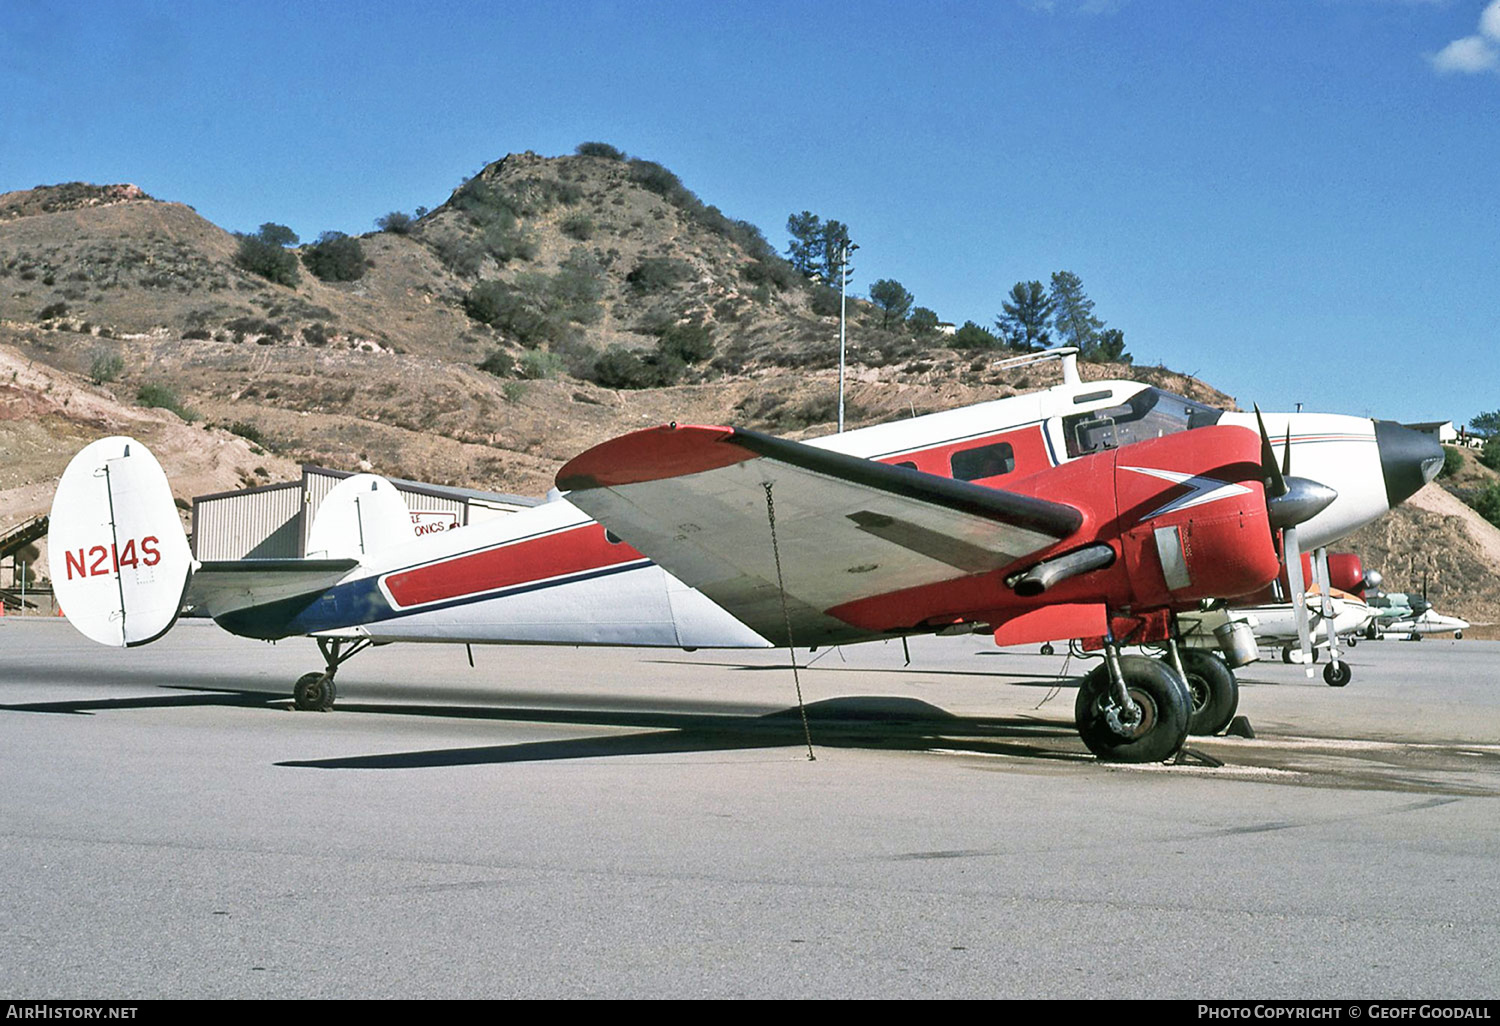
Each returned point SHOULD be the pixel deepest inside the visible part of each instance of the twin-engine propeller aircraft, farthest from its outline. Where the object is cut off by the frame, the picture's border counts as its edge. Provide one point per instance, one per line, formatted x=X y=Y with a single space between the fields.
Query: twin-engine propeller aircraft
x=1100 y=507
x=947 y=523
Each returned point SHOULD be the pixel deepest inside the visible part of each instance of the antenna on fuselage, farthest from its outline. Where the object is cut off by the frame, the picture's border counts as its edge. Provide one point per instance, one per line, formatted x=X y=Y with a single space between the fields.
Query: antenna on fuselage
x=1067 y=354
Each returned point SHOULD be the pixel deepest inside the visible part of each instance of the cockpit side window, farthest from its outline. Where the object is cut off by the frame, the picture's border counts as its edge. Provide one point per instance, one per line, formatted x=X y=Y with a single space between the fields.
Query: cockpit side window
x=1150 y=413
x=983 y=461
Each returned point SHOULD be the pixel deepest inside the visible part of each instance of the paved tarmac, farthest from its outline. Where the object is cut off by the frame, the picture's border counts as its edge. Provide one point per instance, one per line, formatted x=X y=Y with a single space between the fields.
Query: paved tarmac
x=615 y=823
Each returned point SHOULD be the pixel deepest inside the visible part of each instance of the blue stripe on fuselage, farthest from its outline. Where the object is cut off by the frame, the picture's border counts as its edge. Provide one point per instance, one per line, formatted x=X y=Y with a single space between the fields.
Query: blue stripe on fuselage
x=362 y=602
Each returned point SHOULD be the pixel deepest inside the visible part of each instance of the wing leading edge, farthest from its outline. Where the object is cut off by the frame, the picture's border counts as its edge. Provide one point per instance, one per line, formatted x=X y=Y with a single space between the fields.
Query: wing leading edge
x=698 y=500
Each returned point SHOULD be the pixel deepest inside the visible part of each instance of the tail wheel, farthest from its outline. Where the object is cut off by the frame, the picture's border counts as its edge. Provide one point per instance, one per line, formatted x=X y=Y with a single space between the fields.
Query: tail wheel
x=1165 y=708
x=1213 y=689
x=314 y=692
x=1336 y=675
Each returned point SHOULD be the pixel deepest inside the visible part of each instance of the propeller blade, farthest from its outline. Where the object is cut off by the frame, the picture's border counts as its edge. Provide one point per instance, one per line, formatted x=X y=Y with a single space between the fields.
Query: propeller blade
x=1269 y=469
x=1298 y=587
x=1286 y=453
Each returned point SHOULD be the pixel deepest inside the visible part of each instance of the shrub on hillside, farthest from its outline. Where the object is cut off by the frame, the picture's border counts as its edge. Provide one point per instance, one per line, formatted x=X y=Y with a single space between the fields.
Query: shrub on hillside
x=599 y=149
x=1453 y=462
x=540 y=365
x=973 y=336
x=771 y=271
x=1487 y=504
x=498 y=363
x=461 y=255
x=247 y=431
x=619 y=367
x=825 y=301
x=260 y=254
x=507 y=242
x=335 y=257
x=105 y=366
x=1489 y=456
x=396 y=222
x=575 y=290
x=161 y=397
x=653 y=274
x=578 y=226
x=519 y=312
x=52 y=311
x=688 y=343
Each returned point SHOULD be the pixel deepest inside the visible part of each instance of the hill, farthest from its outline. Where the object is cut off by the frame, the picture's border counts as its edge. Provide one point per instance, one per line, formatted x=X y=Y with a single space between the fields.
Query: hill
x=482 y=343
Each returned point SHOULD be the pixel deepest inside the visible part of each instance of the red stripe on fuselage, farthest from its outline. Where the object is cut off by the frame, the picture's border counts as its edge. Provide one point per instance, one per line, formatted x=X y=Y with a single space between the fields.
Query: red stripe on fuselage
x=566 y=552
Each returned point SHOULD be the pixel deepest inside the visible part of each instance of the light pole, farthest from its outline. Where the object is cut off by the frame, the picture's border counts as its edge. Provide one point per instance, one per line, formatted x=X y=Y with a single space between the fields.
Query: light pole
x=843 y=292
x=845 y=248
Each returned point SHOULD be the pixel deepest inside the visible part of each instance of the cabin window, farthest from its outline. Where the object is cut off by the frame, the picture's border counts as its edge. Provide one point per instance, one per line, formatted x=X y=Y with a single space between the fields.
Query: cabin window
x=983 y=461
x=1150 y=413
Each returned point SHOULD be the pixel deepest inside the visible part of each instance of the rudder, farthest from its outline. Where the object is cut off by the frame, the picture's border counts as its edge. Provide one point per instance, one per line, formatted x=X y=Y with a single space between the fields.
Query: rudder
x=118 y=556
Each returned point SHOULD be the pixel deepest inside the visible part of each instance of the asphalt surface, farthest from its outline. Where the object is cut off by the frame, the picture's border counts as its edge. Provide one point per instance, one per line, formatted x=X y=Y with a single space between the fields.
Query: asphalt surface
x=614 y=823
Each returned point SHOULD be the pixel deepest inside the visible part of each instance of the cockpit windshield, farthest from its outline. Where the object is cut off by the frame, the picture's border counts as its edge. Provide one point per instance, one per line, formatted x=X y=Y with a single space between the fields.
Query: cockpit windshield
x=1150 y=413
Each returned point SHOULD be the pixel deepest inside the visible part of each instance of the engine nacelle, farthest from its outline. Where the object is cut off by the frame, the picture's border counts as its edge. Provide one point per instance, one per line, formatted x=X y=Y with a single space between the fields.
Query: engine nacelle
x=1192 y=517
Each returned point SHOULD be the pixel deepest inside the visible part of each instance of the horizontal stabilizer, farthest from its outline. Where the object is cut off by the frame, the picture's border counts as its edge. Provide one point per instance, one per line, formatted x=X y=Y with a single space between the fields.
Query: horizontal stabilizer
x=118 y=556
x=231 y=585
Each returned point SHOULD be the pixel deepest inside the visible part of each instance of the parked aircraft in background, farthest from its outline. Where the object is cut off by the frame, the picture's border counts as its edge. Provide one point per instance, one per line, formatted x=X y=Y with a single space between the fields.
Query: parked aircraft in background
x=1430 y=621
x=1273 y=618
x=1015 y=498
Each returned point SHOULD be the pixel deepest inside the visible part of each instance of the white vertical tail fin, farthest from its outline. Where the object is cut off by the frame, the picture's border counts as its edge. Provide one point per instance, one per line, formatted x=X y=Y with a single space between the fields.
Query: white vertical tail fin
x=118 y=556
x=363 y=514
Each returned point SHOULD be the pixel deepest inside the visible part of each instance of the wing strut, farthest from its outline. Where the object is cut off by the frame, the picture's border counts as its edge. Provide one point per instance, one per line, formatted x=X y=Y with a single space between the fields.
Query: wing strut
x=787 y=617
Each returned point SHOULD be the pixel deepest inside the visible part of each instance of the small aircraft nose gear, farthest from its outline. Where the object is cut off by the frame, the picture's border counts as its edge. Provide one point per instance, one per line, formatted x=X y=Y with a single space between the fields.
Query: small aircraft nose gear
x=1133 y=709
x=1336 y=675
x=315 y=692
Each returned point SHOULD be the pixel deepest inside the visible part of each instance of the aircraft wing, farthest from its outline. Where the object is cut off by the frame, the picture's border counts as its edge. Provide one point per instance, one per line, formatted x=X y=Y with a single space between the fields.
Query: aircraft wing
x=694 y=499
x=223 y=586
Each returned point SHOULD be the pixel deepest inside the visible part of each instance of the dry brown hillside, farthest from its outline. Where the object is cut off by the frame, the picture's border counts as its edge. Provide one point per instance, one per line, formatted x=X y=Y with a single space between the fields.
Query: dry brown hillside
x=538 y=269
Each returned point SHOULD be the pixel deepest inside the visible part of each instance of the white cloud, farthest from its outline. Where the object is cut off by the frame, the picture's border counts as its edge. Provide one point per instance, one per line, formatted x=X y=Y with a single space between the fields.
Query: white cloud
x=1469 y=55
x=1473 y=55
x=1489 y=21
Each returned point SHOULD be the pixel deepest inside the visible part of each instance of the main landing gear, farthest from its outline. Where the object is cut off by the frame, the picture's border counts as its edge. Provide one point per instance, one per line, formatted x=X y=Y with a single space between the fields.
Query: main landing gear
x=1133 y=709
x=315 y=692
x=1215 y=691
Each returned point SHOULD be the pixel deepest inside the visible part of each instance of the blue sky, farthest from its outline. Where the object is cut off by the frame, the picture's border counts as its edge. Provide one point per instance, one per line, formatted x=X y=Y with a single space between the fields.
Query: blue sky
x=1298 y=200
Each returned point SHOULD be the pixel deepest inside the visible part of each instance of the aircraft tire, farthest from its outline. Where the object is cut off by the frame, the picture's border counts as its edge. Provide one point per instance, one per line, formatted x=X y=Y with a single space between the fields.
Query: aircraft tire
x=1047 y=649
x=1214 y=690
x=1458 y=635
x=312 y=694
x=1166 y=708
x=1336 y=675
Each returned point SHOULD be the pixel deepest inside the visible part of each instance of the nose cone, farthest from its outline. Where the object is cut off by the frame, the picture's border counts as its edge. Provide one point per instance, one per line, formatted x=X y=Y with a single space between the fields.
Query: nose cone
x=1408 y=459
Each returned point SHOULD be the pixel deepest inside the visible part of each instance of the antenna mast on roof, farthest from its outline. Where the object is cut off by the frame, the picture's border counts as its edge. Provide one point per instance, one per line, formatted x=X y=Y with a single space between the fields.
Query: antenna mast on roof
x=1067 y=354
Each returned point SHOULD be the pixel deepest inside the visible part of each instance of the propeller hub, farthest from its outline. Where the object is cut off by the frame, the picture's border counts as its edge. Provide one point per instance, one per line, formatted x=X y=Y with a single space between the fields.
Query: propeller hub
x=1303 y=500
